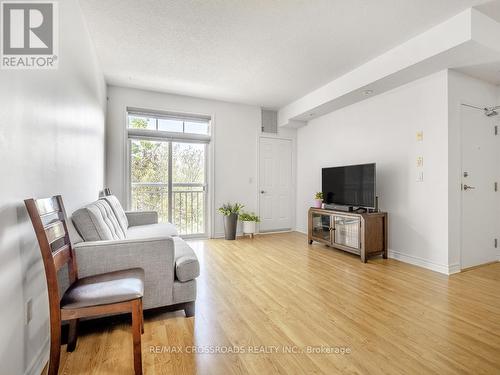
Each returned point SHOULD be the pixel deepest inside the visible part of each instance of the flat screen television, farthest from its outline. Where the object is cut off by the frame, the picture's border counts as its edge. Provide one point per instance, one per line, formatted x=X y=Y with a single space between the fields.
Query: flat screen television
x=352 y=185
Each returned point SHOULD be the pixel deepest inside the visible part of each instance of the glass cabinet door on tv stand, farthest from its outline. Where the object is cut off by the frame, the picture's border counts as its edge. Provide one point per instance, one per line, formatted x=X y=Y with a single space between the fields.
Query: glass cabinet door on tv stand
x=321 y=227
x=347 y=232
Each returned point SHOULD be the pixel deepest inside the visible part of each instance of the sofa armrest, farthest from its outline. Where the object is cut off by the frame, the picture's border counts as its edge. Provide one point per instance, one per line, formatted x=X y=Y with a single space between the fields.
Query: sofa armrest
x=141 y=217
x=154 y=255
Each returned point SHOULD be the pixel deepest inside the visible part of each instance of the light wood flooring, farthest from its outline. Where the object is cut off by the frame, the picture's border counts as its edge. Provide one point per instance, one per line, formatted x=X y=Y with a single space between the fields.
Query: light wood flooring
x=276 y=293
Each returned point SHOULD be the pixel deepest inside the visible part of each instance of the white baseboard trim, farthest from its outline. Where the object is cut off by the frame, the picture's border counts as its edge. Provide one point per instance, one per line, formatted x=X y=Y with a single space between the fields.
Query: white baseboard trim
x=239 y=233
x=424 y=263
x=221 y=234
x=277 y=232
x=454 y=268
x=38 y=363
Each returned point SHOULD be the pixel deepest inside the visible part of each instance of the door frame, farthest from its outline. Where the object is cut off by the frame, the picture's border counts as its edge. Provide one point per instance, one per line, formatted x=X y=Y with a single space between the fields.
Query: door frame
x=292 y=179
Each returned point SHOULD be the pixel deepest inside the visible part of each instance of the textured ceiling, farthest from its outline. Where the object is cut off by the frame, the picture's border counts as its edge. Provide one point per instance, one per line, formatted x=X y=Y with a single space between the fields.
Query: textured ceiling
x=259 y=52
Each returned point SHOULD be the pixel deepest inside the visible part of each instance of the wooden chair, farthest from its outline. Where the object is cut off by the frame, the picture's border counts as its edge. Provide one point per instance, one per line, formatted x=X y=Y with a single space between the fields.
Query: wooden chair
x=110 y=293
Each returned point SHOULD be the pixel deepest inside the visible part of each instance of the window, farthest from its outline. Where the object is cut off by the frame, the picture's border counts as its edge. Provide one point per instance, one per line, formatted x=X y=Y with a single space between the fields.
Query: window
x=140 y=122
x=168 y=168
x=165 y=122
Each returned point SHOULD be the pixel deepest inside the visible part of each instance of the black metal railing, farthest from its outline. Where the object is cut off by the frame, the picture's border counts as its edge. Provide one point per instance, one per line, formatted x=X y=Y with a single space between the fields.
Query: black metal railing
x=188 y=204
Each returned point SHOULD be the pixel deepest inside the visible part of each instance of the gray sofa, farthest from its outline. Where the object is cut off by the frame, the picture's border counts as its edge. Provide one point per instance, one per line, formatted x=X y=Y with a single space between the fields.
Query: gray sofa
x=112 y=239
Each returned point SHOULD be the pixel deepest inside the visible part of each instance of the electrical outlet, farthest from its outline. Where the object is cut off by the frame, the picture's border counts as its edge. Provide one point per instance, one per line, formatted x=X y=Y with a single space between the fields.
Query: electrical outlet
x=29 y=311
x=420 y=161
x=420 y=136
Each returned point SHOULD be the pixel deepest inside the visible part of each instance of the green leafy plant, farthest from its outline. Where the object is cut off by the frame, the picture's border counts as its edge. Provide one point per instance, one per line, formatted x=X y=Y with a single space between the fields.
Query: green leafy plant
x=249 y=216
x=318 y=196
x=227 y=209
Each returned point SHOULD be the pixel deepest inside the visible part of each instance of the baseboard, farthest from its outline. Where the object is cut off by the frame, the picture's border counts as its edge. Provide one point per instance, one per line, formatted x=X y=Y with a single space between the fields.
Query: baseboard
x=241 y=234
x=454 y=268
x=424 y=263
x=277 y=231
x=221 y=234
x=38 y=363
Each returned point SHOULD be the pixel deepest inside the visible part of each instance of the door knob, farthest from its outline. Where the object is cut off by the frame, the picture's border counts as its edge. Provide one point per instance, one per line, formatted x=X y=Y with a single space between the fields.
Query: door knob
x=467 y=187
x=262 y=191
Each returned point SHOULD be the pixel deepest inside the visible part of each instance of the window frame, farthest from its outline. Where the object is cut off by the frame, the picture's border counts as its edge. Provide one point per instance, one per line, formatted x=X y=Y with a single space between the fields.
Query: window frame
x=175 y=116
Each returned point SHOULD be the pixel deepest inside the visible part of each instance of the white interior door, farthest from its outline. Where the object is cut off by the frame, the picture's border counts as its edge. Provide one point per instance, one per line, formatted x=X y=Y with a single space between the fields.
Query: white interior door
x=275 y=179
x=480 y=201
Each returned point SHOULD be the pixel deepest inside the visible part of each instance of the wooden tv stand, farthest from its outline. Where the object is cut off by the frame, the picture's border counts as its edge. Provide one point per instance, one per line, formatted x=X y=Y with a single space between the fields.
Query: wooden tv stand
x=361 y=234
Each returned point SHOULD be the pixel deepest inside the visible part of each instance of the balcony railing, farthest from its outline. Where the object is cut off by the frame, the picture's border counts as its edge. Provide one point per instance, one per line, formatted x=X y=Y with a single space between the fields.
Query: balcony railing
x=188 y=204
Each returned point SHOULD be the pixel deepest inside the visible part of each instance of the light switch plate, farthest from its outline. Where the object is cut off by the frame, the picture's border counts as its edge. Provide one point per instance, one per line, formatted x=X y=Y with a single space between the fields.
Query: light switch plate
x=420 y=176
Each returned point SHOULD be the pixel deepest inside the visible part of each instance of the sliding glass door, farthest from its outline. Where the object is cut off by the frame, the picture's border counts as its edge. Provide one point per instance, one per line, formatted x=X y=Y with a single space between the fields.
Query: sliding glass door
x=169 y=175
x=189 y=187
x=149 y=176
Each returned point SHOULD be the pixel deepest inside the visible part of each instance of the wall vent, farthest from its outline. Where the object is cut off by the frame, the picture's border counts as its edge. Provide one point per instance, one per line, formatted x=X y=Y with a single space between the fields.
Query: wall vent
x=269 y=121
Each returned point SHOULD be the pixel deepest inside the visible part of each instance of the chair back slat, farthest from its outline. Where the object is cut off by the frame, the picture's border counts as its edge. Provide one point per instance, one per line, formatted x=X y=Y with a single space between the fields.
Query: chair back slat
x=47 y=206
x=55 y=231
x=61 y=257
x=49 y=222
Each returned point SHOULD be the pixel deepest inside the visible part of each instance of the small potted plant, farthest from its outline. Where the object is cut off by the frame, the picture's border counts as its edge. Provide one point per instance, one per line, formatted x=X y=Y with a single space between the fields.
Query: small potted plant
x=230 y=213
x=249 y=220
x=318 y=199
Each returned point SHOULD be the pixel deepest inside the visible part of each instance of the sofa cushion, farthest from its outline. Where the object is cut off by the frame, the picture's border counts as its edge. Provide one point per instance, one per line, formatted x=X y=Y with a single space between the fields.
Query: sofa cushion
x=151 y=230
x=187 y=266
x=118 y=211
x=97 y=221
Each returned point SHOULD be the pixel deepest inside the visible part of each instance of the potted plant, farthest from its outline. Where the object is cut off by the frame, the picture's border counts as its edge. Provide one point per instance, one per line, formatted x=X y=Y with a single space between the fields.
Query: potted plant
x=318 y=199
x=249 y=220
x=230 y=213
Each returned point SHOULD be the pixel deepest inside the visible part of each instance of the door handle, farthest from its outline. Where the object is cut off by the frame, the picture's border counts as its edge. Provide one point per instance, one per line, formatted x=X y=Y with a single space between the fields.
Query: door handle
x=467 y=187
x=262 y=192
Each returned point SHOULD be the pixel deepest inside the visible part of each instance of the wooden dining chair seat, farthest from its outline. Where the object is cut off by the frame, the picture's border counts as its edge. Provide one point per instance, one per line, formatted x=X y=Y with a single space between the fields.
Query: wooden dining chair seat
x=115 y=292
x=104 y=289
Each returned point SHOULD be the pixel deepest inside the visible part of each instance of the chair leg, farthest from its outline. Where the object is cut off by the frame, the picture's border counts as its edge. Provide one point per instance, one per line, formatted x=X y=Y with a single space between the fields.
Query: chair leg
x=136 y=335
x=142 y=318
x=189 y=309
x=72 y=335
x=55 y=348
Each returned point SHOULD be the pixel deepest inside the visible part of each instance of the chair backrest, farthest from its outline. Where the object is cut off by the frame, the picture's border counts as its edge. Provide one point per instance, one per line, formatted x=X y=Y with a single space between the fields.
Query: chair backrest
x=49 y=222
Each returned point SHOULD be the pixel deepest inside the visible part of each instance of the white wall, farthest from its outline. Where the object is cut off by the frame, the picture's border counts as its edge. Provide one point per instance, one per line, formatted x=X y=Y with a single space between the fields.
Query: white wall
x=236 y=128
x=51 y=142
x=462 y=89
x=383 y=130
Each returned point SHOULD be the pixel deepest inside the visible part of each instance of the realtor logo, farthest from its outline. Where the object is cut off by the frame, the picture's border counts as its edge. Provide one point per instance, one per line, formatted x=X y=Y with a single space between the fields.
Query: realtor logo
x=29 y=35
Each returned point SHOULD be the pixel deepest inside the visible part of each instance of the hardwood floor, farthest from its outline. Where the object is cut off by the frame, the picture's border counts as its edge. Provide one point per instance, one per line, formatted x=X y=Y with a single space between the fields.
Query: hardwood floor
x=275 y=290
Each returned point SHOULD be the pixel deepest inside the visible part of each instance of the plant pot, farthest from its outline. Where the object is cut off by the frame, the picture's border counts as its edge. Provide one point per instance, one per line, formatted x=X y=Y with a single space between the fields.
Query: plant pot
x=230 y=224
x=249 y=227
x=318 y=203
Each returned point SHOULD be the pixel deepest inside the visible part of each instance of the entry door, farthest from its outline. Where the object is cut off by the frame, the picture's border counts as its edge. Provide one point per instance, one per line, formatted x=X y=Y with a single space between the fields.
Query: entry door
x=275 y=184
x=480 y=202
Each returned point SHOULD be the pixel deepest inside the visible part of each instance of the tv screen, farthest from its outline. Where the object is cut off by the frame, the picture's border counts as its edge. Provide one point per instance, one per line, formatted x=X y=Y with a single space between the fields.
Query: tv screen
x=352 y=185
